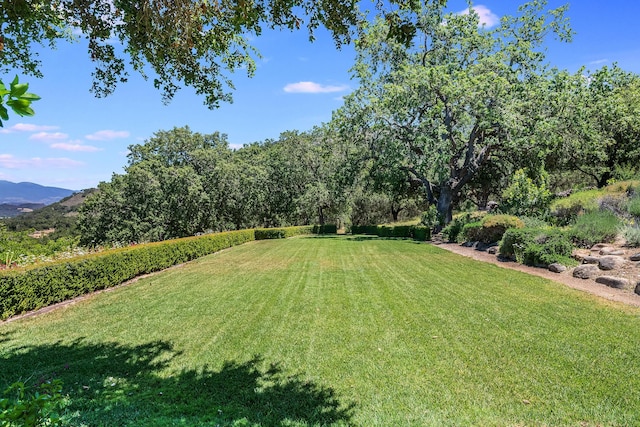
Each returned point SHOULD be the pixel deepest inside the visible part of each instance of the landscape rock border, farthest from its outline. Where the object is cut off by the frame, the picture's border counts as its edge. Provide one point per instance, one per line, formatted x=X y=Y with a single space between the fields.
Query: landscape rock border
x=624 y=296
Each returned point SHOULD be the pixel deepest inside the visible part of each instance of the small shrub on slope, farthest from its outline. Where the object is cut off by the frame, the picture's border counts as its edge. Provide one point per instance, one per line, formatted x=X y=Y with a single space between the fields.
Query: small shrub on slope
x=594 y=227
x=537 y=246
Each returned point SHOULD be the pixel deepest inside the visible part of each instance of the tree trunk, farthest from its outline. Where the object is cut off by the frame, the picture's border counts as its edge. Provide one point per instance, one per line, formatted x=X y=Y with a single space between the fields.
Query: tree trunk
x=445 y=203
x=395 y=212
x=321 y=216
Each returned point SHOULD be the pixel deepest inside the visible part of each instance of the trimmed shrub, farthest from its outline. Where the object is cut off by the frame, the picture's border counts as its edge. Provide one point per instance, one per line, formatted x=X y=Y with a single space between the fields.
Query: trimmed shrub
x=594 y=227
x=325 y=229
x=453 y=231
x=416 y=232
x=421 y=233
x=402 y=231
x=37 y=286
x=537 y=247
x=471 y=231
x=365 y=229
x=284 y=232
x=494 y=227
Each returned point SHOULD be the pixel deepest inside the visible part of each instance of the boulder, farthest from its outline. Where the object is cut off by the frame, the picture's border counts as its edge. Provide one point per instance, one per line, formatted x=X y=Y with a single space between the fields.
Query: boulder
x=611 y=251
x=598 y=246
x=585 y=271
x=556 y=267
x=590 y=259
x=637 y=290
x=635 y=257
x=613 y=282
x=610 y=262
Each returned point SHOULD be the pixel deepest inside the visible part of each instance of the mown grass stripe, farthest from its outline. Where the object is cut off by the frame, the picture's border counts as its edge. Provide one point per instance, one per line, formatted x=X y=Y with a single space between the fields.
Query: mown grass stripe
x=401 y=333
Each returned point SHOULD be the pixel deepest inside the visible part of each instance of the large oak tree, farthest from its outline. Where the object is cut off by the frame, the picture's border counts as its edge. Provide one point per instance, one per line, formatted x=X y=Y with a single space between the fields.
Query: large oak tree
x=458 y=97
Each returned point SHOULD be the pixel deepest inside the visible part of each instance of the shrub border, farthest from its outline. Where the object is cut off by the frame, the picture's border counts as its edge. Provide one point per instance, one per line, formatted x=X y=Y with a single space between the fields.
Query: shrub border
x=38 y=286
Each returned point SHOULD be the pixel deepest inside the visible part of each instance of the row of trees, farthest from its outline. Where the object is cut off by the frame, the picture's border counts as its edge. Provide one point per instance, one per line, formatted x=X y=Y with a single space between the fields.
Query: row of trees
x=443 y=116
x=179 y=183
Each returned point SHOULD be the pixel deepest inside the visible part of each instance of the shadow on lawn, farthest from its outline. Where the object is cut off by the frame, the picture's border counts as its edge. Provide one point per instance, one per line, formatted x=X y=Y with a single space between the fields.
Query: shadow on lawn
x=111 y=384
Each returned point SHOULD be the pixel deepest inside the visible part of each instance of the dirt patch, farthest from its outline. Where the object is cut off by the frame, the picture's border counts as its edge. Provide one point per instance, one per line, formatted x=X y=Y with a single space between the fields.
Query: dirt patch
x=619 y=295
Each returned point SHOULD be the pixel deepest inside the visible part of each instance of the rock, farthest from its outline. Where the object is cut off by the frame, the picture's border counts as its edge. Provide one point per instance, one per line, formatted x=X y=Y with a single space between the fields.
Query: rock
x=613 y=282
x=585 y=271
x=492 y=250
x=598 y=246
x=611 y=251
x=556 y=267
x=590 y=259
x=579 y=254
x=610 y=262
x=635 y=257
x=637 y=290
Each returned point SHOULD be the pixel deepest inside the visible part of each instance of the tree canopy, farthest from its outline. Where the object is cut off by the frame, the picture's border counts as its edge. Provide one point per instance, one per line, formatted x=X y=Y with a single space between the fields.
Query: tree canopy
x=197 y=43
x=461 y=96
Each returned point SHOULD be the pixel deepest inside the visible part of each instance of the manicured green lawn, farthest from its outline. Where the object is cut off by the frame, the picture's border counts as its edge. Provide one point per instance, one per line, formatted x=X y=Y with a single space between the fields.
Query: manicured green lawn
x=336 y=331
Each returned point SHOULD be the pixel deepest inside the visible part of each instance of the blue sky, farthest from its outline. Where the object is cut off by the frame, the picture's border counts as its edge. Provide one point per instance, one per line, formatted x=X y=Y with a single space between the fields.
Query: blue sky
x=75 y=140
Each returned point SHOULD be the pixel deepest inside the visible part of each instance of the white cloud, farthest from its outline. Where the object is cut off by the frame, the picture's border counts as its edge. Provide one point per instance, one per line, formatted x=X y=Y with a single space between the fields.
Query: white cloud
x=49 y=136
x=75 y=146
x=27 y=127
x=598 y=62
x=11 y=162
x=311 y=87
x=487 y=17
x=105 y=135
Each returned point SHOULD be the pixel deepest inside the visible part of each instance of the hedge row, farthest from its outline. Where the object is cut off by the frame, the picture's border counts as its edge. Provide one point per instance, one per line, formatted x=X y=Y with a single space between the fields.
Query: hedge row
x=38 y=286
x=416 y=232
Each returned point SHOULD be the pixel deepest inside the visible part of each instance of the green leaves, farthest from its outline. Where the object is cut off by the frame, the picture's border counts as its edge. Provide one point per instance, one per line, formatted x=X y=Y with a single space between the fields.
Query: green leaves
x=17 y=98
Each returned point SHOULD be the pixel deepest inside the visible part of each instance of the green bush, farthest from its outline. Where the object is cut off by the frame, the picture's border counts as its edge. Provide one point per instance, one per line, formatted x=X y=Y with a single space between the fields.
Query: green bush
x=453 y=231
x=536 y=246
x=594 y=227
x=524 y=197
x=471 y=231
x=490 y=228
x=431 y=218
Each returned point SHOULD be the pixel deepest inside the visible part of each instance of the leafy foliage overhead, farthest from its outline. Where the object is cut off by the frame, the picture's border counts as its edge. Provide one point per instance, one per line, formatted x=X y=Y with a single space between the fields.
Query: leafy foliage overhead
x=196 y=43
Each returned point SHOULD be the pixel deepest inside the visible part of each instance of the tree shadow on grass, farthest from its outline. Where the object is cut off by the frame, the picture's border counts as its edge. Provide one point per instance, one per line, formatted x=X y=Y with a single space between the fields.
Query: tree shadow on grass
x=116 y=385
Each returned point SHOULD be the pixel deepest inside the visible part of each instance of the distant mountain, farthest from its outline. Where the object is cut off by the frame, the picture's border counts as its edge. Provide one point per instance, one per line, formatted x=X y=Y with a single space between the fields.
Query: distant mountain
x=28 y=192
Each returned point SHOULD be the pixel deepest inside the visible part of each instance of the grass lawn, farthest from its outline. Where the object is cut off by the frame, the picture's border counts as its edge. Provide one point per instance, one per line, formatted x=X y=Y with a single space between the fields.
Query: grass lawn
x=336 y=331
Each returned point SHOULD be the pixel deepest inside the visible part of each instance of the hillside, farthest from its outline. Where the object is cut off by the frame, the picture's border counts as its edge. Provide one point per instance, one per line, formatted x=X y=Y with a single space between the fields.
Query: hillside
x=59 y=215
x=28 y=192
x=9 y=211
